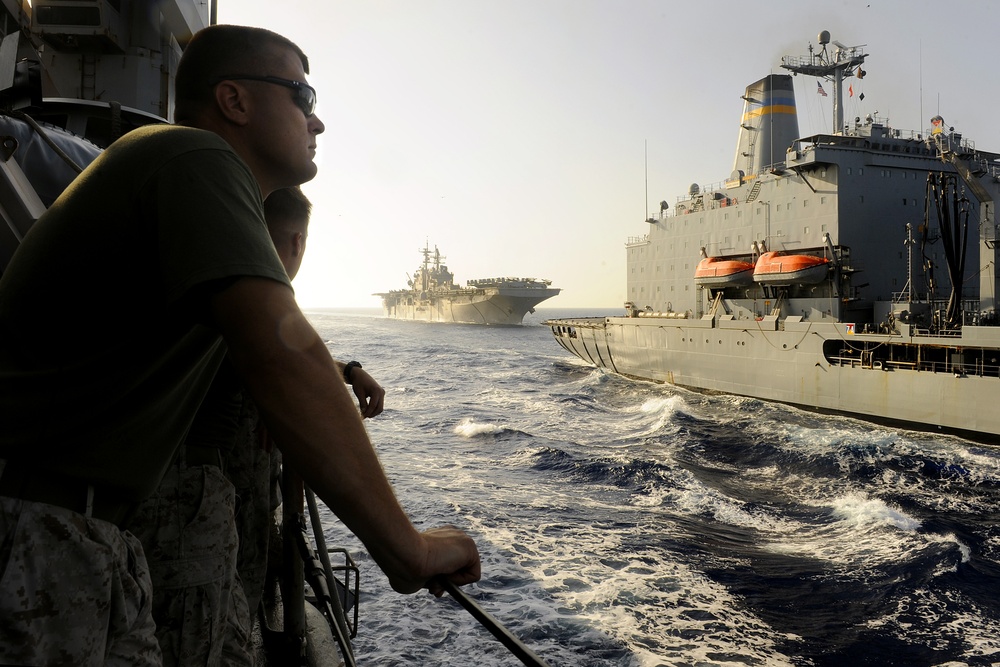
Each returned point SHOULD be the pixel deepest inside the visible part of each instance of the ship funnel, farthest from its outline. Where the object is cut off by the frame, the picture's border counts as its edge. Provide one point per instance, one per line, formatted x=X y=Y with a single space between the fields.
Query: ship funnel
x=769 y=126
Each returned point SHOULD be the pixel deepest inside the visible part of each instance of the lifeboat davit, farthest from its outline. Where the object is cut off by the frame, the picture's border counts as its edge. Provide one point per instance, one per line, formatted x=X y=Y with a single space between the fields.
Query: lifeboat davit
x=778 y=268
x=720 y=272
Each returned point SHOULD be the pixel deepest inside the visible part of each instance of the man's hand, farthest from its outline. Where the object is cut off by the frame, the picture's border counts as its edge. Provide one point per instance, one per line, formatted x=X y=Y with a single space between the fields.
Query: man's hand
x=449 y=553
x=371 y=395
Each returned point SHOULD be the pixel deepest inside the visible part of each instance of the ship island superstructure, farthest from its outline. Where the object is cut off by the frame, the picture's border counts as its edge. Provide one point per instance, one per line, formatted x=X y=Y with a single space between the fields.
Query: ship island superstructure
x=850 y=272
x=433 y=296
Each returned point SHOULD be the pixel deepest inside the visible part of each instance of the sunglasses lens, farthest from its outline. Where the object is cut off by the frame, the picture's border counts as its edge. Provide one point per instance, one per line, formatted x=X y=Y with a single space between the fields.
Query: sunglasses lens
x=307 y=99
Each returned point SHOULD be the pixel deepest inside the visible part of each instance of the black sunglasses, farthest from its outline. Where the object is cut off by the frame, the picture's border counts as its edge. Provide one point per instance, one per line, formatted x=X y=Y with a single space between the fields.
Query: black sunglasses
x=305 y=95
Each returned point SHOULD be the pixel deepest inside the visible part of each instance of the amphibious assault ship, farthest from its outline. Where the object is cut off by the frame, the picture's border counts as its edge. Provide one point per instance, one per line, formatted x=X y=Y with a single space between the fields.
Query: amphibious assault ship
x=852 y=272
x=433 y=296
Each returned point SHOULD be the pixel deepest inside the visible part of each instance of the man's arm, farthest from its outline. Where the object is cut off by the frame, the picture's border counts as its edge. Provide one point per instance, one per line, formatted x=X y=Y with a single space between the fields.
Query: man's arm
x=302 y=397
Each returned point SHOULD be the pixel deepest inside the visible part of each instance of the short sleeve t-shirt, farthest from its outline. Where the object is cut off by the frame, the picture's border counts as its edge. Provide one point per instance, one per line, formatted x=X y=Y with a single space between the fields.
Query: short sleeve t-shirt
x=104 y=351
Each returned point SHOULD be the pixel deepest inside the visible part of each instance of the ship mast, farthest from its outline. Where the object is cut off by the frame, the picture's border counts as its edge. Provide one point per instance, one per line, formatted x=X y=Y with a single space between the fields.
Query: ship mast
x=836 y=67
x=424 y=274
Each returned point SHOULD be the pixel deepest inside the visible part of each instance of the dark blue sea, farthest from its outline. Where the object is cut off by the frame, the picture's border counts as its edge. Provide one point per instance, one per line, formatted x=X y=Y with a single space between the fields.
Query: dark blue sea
x=635 y=524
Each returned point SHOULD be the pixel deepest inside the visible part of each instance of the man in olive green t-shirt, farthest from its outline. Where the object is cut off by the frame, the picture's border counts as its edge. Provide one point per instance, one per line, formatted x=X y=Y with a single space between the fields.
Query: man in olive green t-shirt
x=115 y=314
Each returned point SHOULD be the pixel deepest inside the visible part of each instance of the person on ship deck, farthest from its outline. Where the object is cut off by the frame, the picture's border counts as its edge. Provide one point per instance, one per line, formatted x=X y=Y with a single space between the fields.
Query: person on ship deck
x=159 y=256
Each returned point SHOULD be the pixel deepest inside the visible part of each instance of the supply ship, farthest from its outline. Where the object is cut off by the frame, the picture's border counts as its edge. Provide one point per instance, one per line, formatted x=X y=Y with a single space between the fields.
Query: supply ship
x=433 y=296
x=852 y=272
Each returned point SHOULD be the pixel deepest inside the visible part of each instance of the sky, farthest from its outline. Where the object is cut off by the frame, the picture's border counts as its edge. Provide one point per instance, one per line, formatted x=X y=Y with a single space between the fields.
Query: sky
x=533 y=138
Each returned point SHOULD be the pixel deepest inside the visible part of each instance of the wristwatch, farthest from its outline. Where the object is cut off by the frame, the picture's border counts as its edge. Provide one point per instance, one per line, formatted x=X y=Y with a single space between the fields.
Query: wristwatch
x=348 y=367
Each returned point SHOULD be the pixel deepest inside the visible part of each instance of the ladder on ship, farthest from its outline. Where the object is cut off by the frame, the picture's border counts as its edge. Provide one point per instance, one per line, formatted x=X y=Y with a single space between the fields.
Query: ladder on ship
x=754 y=191
x=717 y=303
x=780 y=298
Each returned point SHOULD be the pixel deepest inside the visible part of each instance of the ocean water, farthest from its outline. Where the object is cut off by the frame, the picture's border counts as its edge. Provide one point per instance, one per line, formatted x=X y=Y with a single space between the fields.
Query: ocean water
x=635 y=524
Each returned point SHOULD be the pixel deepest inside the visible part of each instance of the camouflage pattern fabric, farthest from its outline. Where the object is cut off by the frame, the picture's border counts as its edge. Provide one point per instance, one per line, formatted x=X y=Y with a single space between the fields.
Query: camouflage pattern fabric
x=188 y=532
x=252 y=466
x=74 y=591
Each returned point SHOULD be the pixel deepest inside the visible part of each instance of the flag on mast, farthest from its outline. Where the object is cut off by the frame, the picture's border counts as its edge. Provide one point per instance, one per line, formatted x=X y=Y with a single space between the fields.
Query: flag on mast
x=819 y=89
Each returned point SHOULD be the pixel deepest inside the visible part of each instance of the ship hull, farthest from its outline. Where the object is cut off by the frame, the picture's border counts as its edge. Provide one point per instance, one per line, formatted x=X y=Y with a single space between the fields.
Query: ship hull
x=787 y=362
x=491 y=306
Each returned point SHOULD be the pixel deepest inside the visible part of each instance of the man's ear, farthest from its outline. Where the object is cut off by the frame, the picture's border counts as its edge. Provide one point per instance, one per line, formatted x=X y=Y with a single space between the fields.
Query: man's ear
x=298 y=244
x=233 y=102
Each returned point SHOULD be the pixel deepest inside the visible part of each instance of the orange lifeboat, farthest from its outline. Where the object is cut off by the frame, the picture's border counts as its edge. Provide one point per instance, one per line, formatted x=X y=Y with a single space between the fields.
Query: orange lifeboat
x=721 y=272
x=778 y=268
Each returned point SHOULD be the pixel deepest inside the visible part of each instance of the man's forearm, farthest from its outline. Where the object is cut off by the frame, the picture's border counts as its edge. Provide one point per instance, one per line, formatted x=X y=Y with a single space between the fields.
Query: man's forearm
x=302 y=398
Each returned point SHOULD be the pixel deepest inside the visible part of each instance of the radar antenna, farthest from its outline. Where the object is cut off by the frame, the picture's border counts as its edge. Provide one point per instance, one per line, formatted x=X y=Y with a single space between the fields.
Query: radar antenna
x=832 y=67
